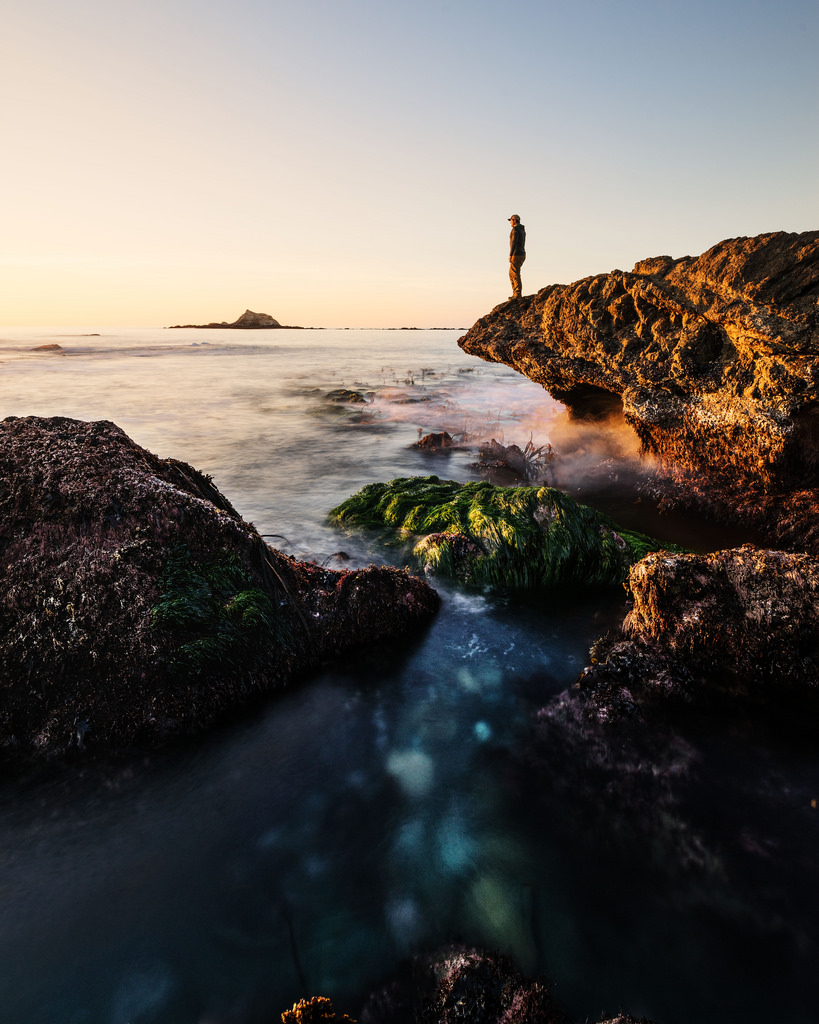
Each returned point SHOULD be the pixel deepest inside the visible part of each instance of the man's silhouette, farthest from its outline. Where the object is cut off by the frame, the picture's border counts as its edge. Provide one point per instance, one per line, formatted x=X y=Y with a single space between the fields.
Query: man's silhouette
x=517 y=254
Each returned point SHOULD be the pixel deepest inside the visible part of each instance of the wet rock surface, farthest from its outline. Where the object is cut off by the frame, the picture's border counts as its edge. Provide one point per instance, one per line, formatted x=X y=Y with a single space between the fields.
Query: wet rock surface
x=715 y=359
x=727 y=628
x=437 y=441
x=780 y=518
x=138 y=604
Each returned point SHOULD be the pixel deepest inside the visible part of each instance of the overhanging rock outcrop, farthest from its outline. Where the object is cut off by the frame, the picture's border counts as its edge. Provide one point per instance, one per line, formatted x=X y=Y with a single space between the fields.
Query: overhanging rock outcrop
x=137 y=603
x=715 y=358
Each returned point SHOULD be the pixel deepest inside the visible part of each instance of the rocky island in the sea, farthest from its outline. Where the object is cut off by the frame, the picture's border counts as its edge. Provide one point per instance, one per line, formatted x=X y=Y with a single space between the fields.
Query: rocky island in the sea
x=248 y=321
x=138 y=604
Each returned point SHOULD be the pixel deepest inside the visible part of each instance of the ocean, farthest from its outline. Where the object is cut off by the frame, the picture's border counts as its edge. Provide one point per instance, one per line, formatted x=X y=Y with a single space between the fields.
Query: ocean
x=310 y=846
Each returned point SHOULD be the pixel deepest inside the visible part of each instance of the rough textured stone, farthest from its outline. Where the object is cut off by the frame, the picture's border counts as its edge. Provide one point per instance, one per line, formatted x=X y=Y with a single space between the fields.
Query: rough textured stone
x=731 y=626
x=463 y=985
x=715 y=358
x=137 y=603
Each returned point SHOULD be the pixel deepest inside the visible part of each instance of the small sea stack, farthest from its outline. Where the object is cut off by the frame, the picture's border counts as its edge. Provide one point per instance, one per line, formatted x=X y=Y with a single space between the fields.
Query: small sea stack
x=248 y=321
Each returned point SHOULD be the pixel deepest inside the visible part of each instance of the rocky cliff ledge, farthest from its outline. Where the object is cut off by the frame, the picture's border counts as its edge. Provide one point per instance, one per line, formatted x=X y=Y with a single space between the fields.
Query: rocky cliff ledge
x=137 y=603
x=715 y=358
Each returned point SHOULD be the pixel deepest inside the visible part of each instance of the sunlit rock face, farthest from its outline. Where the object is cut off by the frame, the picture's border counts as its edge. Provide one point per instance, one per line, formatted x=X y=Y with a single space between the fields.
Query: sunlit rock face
x=715 y=359
x=137 y=603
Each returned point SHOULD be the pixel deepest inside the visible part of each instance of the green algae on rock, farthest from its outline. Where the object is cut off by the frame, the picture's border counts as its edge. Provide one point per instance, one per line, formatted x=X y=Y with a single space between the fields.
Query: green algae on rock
x=510 y=538
x=214 y=612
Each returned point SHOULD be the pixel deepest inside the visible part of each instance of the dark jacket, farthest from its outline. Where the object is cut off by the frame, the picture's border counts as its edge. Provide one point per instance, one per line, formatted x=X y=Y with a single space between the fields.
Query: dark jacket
x=517 y=243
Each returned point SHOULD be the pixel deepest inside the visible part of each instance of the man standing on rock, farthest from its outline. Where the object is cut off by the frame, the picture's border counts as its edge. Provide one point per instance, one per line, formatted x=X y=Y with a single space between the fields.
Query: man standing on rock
x=517 y=254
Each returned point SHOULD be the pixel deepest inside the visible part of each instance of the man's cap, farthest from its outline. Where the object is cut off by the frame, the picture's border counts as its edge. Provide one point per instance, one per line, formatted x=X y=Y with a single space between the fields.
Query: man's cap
x=515 y=216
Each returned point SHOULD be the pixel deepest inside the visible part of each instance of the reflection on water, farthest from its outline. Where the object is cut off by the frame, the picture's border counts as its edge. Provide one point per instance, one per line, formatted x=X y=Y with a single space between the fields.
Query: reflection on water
x=387 y=804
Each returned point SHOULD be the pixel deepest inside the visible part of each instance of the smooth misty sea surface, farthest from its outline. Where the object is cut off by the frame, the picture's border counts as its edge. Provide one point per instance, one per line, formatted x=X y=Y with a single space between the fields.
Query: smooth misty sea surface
x=381 y=808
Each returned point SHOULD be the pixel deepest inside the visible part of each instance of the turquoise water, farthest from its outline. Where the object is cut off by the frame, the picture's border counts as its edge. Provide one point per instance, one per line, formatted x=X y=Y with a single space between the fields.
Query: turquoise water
x=388 y=804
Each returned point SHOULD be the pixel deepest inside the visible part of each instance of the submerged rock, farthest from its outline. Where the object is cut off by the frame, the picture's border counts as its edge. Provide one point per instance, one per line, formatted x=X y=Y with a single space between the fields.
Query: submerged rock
x=715 y=359
x=137 y=603
x=731 y=626
x=345 y=395
x=512 y=538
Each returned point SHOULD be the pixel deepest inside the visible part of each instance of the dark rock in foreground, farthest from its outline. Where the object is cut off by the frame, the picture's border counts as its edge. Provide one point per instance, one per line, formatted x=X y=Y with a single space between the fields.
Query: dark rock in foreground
x=715 y=359
x=466 y=985
x=248 y=321
x=137 y=603
x=738 y=627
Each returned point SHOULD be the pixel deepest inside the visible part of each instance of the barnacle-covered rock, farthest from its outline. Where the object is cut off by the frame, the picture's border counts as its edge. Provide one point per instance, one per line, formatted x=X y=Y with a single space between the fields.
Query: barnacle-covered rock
x=509 y=538
x=138 y=603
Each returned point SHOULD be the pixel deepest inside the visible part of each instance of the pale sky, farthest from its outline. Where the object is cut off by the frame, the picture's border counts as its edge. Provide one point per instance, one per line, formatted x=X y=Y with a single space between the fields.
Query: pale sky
x=354 y=163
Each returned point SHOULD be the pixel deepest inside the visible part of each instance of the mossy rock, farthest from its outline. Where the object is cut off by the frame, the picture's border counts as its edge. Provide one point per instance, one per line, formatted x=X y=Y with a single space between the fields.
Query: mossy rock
x=214 y=613
x=509 y=538
x=137 y=605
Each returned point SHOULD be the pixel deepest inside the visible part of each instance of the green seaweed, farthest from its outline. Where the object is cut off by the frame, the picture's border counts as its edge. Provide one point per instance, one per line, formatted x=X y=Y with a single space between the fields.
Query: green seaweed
x=213 y=611
x=511 y=538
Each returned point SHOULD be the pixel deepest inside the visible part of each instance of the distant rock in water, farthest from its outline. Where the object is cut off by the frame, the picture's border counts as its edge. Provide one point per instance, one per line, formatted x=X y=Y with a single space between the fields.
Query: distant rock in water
x=714 y=359
x=248 y=321
x=440 y=441
x=346 y=396
x=137 y=603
